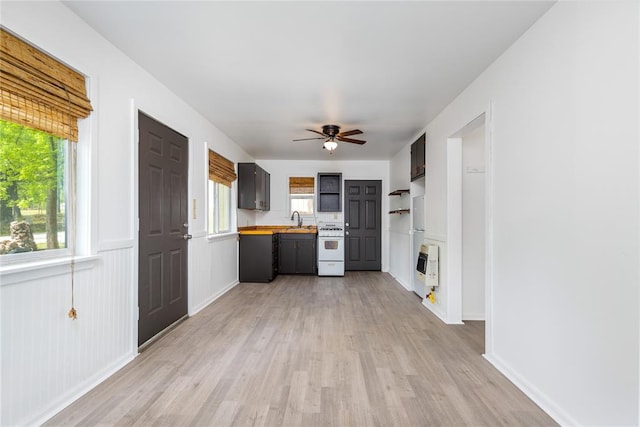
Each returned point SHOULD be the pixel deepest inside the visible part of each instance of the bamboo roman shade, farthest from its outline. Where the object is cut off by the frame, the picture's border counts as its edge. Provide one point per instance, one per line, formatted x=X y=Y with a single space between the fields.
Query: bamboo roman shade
x=301 y=185
x=221 y=169
x=38 y=91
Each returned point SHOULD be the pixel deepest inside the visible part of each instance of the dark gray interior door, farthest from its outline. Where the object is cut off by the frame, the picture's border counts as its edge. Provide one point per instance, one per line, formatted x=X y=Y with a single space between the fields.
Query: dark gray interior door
x=162 y=260
x=363 y=225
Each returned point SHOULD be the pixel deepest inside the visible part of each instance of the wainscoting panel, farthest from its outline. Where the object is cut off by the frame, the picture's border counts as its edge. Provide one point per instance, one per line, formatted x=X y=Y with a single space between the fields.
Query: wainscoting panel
x=399 y=266
x=214 y=267
x=48 y=359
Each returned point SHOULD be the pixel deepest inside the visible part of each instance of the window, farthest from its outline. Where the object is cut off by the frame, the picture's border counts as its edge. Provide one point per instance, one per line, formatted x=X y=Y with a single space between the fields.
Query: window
x=33 y=178
x=219 y=208
x=221 y=176
x=41 y=101
x=301 y=195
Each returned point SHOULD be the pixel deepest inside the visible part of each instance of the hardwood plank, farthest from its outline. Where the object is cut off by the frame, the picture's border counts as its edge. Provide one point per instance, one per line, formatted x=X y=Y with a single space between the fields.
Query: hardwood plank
x=311 y=351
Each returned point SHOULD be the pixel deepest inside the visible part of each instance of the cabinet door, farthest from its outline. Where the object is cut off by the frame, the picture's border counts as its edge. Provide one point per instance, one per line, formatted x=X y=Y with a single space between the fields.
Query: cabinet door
x=267 y=191
x=414 y=160
x=298 y=254
x=417 y=158
x=287 y=256
x=246 y=186
x=306 y=262
x=255 y=258
x=420 y=156
x=259 y=178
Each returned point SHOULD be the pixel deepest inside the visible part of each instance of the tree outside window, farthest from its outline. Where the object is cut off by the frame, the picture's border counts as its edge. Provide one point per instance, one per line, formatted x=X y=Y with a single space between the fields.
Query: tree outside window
x=32 y=190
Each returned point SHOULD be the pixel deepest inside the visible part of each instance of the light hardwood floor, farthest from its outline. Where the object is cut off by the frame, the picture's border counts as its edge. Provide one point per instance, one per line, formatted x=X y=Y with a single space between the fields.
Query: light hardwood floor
x=311 y=351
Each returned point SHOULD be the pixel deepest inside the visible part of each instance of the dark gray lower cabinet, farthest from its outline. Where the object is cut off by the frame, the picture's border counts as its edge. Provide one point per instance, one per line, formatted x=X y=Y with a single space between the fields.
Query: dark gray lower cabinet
x=297 y=254
x=258 y=257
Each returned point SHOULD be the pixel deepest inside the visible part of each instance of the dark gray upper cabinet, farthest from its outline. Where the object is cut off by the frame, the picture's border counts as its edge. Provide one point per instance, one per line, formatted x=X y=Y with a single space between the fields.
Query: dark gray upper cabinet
x=254 y=189
x=329 y=192
x=417 y=158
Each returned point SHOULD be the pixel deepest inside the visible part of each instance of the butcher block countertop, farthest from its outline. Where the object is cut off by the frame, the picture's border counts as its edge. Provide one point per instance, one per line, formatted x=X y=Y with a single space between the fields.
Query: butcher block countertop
x=278 y=229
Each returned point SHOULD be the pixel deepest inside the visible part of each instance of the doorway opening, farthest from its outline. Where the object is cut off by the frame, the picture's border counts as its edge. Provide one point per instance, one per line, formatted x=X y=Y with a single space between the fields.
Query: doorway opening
x=469 y=234
x=473 y=227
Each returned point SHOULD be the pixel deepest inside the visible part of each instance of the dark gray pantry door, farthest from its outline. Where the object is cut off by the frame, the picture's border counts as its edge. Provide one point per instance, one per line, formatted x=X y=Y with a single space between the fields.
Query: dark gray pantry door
x=363 y=225
x=162 y=261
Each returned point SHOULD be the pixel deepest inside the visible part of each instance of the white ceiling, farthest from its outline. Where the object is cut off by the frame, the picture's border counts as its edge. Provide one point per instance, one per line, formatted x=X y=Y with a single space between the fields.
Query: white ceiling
x=263 y=72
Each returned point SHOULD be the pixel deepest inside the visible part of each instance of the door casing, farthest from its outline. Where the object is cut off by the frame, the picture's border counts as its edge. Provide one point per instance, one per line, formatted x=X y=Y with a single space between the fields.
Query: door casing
x=453 y=257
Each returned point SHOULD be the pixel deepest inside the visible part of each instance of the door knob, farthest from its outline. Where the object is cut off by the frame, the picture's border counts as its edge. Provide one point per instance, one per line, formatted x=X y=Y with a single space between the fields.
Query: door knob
x=187 y=237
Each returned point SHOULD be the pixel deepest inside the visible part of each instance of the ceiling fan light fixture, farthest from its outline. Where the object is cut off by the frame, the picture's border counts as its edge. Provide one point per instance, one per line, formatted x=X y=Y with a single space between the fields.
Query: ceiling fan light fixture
x=330 y=145
x=331 y=133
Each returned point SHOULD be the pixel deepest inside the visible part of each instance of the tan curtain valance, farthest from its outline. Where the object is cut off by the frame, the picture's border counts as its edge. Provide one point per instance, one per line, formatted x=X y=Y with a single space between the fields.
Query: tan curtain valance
x=301 y=185
x=38 y=91
x=221 y=169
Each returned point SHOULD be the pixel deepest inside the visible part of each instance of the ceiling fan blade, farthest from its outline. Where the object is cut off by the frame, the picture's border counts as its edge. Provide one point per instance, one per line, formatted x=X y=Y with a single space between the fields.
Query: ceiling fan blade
x=318 y=132
x=350 y=132
x=353 y=141
x=307 y=139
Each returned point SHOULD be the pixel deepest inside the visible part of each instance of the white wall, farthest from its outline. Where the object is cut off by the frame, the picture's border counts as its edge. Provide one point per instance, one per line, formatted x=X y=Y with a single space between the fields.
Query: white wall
x=564 y=106
x=473 y=217
x=281 y=170
x=48 y=360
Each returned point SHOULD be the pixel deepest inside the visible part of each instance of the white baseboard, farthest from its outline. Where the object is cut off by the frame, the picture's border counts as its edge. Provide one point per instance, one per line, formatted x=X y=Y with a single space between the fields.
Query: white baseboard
x=532 y=392
x=79 y=391
x=404 y=285
x=473 y=316
x=434 y=309
x=214 y=297
x=86 y=386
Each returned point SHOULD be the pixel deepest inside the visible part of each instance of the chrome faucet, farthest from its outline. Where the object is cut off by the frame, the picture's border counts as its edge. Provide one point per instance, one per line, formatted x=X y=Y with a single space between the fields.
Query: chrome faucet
x=299 y=219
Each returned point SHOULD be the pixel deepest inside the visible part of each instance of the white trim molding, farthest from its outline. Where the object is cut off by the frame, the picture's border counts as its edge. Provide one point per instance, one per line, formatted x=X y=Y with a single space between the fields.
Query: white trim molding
x=533 y=393
x=81 y=389
x=211 y=299
x=114 y=245
x=25 y=272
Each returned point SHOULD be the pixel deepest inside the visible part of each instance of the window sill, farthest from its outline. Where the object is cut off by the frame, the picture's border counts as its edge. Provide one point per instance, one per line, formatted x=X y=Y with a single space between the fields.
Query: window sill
x=223 y=236
x=26 y=271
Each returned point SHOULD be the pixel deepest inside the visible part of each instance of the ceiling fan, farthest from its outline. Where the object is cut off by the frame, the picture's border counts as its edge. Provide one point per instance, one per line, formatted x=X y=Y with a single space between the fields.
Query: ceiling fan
x=331 y=133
